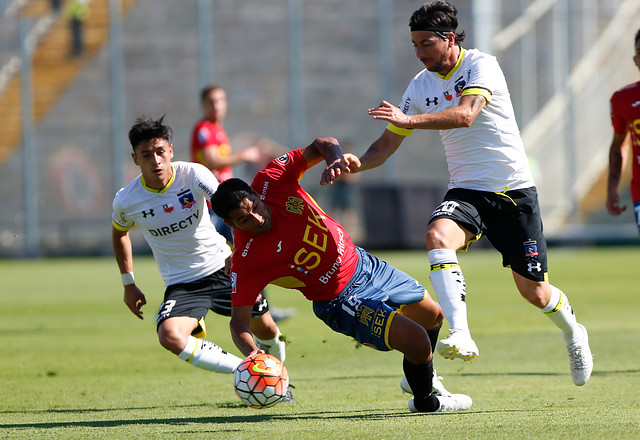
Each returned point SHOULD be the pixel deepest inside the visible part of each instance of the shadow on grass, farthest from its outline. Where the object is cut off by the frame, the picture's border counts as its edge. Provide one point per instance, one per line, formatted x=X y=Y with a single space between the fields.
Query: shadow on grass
x=543 y=373
x=351 y=415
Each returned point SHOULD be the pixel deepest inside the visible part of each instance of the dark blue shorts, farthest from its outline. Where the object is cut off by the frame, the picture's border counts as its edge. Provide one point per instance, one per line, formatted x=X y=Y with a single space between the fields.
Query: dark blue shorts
x=366 y=306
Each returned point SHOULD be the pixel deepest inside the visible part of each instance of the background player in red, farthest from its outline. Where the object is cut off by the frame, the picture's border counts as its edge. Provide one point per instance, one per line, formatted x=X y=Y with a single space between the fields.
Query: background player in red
x=284 y=238
x=209 y=141
x=210 y=146
x=625 y=117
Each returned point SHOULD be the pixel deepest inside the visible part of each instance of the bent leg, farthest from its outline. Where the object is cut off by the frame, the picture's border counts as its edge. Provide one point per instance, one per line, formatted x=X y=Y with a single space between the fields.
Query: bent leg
x=174 y=334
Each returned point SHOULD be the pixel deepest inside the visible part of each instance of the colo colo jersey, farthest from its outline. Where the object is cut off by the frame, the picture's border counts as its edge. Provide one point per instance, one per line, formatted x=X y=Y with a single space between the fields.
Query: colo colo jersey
x=305 y=249
x=625 y=115
x=207 y=134
x=488 y=155
x=175 y=222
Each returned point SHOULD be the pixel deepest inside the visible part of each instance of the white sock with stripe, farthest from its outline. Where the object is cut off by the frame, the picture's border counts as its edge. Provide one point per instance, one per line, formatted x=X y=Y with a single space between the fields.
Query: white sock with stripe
x=273 y=346
x=561 y=314
x=449 y=286
x=208 y=356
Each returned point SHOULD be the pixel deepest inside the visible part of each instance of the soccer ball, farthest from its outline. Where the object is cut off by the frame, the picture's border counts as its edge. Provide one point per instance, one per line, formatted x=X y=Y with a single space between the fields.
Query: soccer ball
x=261 y=381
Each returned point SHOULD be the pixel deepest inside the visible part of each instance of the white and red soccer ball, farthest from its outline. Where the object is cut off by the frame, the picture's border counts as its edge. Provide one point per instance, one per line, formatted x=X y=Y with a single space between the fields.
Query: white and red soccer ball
x=261 y=381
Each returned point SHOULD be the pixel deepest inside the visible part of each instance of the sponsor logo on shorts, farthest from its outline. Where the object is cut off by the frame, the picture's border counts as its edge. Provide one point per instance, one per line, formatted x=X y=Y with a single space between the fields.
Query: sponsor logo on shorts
x=537 y=267
x=530 y=248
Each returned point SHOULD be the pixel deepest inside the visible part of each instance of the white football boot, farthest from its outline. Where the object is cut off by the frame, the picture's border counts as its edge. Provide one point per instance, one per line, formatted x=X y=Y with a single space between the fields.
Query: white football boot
x=458 y=345
x=436 y=386
x=454 y=402
x=580 y=358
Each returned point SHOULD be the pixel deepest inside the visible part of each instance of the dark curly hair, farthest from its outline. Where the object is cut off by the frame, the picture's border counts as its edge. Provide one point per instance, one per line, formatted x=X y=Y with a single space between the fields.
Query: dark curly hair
x=145 y=129
x=439 y=17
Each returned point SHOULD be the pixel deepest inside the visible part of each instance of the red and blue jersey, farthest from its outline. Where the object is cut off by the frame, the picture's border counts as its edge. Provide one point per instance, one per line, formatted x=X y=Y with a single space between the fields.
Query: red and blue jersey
x=305 y=249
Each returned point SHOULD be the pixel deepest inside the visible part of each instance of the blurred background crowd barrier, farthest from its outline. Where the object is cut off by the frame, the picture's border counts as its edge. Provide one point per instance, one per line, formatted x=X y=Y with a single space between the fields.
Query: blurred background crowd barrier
x=293 y=70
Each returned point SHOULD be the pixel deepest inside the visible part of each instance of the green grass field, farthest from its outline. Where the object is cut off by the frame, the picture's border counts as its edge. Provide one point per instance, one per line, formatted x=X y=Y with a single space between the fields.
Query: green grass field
x=75 y=363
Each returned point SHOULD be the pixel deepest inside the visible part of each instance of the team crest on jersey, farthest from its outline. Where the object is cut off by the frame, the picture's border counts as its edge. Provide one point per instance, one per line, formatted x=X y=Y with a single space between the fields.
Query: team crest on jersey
x=459 y=87
x=284 y=159
x=168 y=207
x=530 y=248
x=364 y=314
x=448 y=96
x=234 y=278
x=295 y=205
x=186 y=199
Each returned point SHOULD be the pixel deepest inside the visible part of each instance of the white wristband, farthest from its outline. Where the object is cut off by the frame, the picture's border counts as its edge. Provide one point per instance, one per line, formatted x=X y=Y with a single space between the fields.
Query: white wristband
x=127 y=278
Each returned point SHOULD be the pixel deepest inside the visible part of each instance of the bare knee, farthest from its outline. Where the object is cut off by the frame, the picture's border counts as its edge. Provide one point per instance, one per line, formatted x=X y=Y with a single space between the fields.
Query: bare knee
x=411 y=339
x=537 y=293
x=172 y=338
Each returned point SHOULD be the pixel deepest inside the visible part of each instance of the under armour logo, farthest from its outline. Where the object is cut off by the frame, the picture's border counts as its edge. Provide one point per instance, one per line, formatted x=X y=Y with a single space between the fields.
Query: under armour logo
x=534 y=266
x=146 y=213
x=429 y=101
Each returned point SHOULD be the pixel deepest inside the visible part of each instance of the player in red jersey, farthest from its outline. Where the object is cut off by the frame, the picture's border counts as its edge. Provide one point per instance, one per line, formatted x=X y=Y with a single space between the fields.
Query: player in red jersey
x=209 y=141
x=283 y=237
x=625 y=118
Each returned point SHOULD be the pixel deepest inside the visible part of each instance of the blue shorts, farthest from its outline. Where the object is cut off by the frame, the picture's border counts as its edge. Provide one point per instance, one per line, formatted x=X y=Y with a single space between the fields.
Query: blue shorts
x=366 y=306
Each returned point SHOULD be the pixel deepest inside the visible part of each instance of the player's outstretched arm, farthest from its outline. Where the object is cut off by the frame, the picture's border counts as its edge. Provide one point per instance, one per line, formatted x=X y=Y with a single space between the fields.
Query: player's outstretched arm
x=240 y=330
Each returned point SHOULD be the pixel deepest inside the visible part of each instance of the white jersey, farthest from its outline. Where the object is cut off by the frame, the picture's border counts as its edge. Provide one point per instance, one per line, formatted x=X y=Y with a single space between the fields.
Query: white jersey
x=488 y=155
x=175 y=222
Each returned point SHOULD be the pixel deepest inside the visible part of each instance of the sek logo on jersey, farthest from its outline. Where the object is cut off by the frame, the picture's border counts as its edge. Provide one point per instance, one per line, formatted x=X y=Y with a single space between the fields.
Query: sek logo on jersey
x=186 y=199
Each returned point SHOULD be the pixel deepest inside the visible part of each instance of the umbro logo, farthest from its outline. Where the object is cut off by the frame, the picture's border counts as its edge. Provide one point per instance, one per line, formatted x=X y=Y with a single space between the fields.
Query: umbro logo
x=635 y=104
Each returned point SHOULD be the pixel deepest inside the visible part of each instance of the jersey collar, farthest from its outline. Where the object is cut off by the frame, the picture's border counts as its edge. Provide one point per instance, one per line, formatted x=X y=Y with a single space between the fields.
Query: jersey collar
x=166 y=187
x=455 y=68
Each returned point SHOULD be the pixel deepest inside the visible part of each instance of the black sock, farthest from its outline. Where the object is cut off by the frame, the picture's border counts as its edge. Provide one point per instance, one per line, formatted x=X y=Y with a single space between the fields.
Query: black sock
x=433 y=336
x=420 y=379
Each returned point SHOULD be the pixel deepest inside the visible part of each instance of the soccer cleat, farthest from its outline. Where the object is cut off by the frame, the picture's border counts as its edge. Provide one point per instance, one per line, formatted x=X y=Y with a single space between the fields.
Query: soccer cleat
x=436 y=386
x=458 y=345
x=580 y=358
x=289 y=396
x=454 y=402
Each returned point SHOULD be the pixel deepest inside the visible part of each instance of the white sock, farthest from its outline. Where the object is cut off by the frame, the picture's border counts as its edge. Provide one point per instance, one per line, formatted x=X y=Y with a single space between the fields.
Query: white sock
x=208 y=356
x=273 y=346
x=561 y=314
x=449 y=286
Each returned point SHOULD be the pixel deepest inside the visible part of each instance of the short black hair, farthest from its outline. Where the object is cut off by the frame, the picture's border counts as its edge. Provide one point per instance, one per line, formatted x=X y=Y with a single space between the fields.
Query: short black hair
x=145 y=129
x=204 y=93
x=229 y=196
x=439 y=17
x=637 y=37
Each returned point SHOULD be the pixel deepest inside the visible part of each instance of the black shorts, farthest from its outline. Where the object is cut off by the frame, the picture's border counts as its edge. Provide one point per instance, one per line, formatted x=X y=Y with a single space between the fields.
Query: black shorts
x=511 y=221
x=194 y=299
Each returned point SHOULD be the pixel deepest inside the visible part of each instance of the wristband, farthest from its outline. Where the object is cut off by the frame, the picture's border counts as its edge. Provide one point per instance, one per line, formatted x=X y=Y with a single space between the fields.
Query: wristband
x=127 y=278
